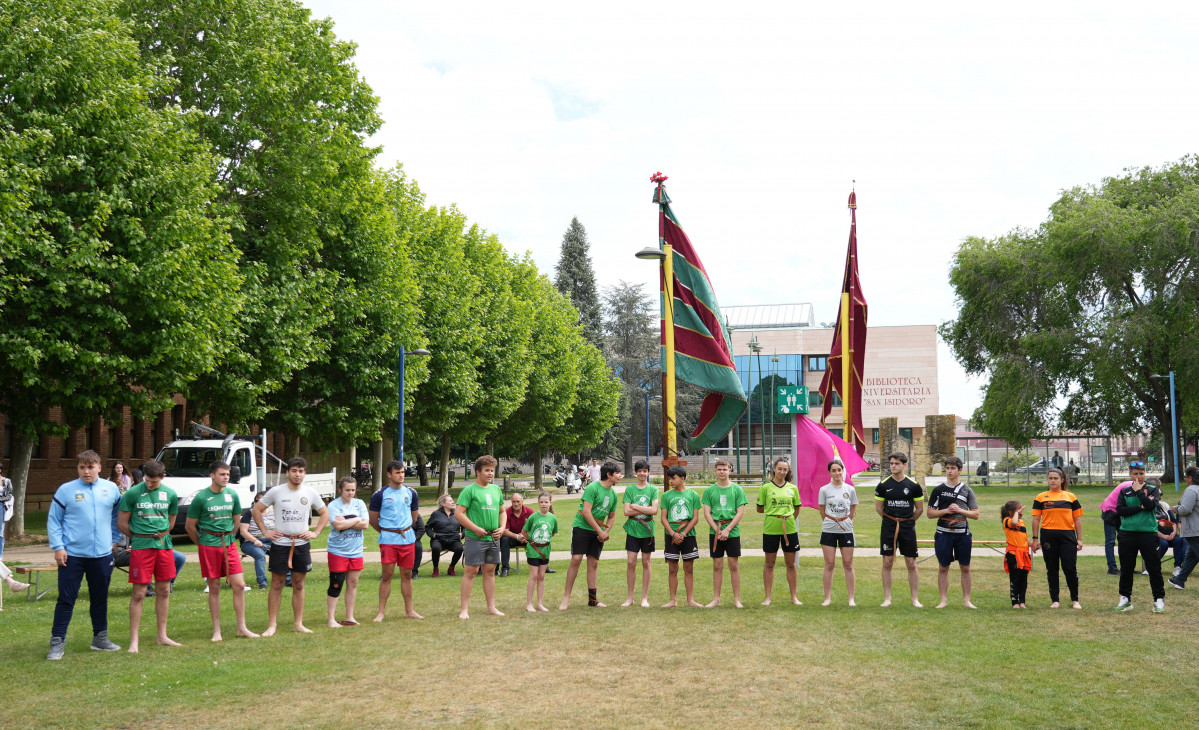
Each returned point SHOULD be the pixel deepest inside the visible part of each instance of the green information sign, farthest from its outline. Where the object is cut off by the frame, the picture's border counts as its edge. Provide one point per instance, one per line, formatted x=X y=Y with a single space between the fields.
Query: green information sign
x=792 y=399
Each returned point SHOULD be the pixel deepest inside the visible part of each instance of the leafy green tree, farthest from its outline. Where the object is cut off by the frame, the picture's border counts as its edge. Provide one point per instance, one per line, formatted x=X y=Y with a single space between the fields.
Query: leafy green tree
x=576 y=279
x=596 y=406
x=1085 y=308
x=287 y=113
x=118 y=282
x=631 y=339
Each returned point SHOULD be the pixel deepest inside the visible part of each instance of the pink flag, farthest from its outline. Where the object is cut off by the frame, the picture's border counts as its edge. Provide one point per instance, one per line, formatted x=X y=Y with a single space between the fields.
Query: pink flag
x=815 y=447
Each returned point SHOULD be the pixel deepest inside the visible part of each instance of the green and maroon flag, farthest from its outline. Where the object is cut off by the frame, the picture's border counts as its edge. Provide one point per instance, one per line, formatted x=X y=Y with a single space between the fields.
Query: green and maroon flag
x=702 y=353
x=850 y=329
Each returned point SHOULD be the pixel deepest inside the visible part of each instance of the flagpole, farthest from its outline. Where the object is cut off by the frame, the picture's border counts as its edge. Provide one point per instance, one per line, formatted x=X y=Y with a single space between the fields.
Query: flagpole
x=668 y=394
x=846 y=372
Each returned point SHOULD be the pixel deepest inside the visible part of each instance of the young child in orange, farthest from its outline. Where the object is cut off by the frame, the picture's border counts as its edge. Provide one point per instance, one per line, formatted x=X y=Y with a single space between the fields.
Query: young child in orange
x=1017 y=562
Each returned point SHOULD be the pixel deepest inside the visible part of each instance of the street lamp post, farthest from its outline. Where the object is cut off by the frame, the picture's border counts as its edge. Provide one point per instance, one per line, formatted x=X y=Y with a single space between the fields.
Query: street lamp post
x=1173 y=427
x=754 y=349
x=400 y=411
x=663 y=256
x=774 y=368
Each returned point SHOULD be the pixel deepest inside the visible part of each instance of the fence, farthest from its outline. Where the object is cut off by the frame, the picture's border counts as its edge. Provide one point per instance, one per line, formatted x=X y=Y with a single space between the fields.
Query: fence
x=1089 y=455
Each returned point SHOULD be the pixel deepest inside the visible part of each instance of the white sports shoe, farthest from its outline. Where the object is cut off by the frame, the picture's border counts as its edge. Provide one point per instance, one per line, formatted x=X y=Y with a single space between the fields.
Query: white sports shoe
x=1125 y=604
x=1159 y=606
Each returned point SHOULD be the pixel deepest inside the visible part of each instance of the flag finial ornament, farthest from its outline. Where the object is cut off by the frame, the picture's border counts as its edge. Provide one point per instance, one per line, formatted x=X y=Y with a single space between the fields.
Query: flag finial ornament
x=658 y=177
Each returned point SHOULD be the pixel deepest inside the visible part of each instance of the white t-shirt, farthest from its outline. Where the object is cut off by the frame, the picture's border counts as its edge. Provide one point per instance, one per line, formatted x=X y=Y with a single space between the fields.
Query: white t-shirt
x=293 y=510
x=593 y=473
x=837 y=502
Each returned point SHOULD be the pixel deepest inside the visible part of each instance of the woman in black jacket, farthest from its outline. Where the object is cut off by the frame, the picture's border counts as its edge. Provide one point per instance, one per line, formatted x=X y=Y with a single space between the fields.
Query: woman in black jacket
x=445 y=533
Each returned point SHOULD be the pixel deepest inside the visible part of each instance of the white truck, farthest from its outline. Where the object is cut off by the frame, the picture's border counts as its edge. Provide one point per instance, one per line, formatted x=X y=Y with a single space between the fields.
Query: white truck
x=252 y=468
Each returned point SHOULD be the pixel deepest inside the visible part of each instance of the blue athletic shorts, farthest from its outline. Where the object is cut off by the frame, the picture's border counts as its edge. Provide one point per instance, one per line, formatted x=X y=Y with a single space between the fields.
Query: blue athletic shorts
x=953 y=546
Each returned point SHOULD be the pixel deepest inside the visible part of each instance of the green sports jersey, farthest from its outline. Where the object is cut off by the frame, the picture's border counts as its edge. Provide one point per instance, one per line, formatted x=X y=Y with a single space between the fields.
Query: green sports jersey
x=483 y=505
x=724 y=502
x=215 y=512
x=680 y=507
x=150 y=512
x=641 y=525
x=540 y=528
x=779 y=503
x=603 y=503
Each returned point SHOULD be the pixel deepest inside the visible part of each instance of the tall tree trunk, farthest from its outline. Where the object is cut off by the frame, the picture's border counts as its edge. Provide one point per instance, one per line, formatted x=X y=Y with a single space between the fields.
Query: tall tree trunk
x=628 y=455
x=422 y=473
x=443 y=480
x=379 y=464
x=22 y=453
x=537 y=470
x=489 y=445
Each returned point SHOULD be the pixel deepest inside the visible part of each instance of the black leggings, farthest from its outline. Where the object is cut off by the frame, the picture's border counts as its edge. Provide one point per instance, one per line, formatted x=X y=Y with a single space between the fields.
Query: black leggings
x=436 y=546
x=1060 y=547
x=1145 y=543
x=1018 y=578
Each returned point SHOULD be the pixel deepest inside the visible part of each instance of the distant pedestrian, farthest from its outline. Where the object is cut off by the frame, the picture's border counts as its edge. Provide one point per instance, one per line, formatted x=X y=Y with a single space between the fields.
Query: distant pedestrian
x=982 y=471
x=120 y=477
x=1057 y=460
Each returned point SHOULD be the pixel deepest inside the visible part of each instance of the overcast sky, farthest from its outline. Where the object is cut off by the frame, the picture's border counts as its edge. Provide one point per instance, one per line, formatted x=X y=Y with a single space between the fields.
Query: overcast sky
x=955 y=119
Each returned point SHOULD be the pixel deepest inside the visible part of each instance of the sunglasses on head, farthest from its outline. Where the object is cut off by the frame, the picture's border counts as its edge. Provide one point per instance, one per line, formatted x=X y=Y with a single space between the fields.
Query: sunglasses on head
x=1137 y=464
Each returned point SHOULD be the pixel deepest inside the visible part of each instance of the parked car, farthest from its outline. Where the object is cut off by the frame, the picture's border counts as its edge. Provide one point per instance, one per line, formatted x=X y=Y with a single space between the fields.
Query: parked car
x=1040 y=467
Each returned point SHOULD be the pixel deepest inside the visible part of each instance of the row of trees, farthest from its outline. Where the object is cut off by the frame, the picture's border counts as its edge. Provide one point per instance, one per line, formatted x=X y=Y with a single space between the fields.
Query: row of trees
x=188 y=205
x=1071 y=320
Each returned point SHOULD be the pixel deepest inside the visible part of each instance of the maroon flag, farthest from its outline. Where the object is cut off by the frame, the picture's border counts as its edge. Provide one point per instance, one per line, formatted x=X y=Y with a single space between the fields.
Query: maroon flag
x=848 y=353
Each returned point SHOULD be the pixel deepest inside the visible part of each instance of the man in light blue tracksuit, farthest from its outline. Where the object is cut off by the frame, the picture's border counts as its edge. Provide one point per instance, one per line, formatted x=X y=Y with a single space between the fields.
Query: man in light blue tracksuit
x=82 y=526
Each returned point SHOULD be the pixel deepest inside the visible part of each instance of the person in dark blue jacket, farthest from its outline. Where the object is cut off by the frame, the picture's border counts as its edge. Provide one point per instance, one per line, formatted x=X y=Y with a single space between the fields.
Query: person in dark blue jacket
x=82 y=526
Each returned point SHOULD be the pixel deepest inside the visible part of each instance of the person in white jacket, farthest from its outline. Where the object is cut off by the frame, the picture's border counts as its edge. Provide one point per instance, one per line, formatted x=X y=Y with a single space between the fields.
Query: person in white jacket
x=1188 y=526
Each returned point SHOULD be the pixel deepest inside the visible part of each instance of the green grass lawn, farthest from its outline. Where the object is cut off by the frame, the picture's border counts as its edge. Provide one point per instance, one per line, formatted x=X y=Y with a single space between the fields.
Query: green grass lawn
x=616 y=667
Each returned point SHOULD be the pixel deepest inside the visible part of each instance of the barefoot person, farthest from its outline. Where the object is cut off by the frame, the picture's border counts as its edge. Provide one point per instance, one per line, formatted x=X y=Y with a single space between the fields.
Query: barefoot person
x=640 y=504
x=348 y=517
x=393 y=514
x=290 y=551
x=82 y=527
x=724 y=507
x=481 y=513
x=147 y=514
x=1057 y=532
x=538 y=532
x=952 y=504
x=681 y=509
x=591 y=527
x=899 y=500
x=212 y=519
x=838 y=502
x=779 y=500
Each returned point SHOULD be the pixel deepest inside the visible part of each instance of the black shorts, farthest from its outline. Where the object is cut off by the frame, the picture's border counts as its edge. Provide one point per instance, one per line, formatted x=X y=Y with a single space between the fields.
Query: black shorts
x=585 y=542
x=907 y=540
x=301 y=560
x=688 y=549
x=837 y=539
x=536 y=562
x=639 y=544
x=730 y=548
x=772 y=543
x=951 y=546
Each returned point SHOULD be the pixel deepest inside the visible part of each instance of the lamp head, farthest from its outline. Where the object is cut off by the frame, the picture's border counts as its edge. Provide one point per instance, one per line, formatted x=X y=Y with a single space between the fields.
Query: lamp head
x=651 y=253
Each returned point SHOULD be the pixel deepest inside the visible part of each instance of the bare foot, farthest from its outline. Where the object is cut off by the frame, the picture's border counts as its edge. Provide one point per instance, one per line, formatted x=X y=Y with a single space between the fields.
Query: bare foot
x=627 y=603
x=495 y=612
x=852 y=604
x=645 y=603
x=885 y=603
x=333 y=624
x=968 y=604
x=270 y=631
x=565 y=604
x=1015 y=605
x=412 y=614
x=695 y=604
x=715 y=602
x=738 y=604
x=917 y=604
x=166 y=641
x=133 y=647
x=1055 y=604
x=766 y=602
x=1076 y=604
x=530 y=609
x=599 y=605
x=247 y=634
x=542 y=608
x=826 y=602
x=217 y=637
x=943 y=603
x=463 y=615
x=670 y=604
x=302 y=629
x=796 y=601
x=378 y=619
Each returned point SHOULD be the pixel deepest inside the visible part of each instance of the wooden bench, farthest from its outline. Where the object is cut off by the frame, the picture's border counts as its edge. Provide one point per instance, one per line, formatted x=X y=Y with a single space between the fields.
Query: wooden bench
x=34 y=591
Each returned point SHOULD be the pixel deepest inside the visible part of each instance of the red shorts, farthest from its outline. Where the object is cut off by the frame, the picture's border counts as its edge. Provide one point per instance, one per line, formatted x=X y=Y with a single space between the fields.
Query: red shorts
x=402 y=555
x=148 y=565
x=218 y=562
x=339 y=564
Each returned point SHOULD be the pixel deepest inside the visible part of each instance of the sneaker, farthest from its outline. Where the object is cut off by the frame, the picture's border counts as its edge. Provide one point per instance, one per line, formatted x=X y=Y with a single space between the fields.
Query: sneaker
x=100 y=642
x=1125 y=604
x=504 y=573
x=15 y=585
x=263 y=586
x=1177 y=570
x=1113 y=571
x=1176 y=584
x=451 y=573
x=1159 y=606
x=150 y=592
x=436 y=572
x=1144 y=572
x=248 y=588
x=57 y=648
x=415 y=575
x=205 y=589
x=550 y=570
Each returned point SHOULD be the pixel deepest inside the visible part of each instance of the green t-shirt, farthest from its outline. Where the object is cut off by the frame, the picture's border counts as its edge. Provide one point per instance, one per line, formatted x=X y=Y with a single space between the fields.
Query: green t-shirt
x=150 y=513
x=483 y=505
x=724 y=502
x=780 y=504
x=215 y=512
x=641 y=525
x=603 y=503
x=680 y=507
x=540 y=528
